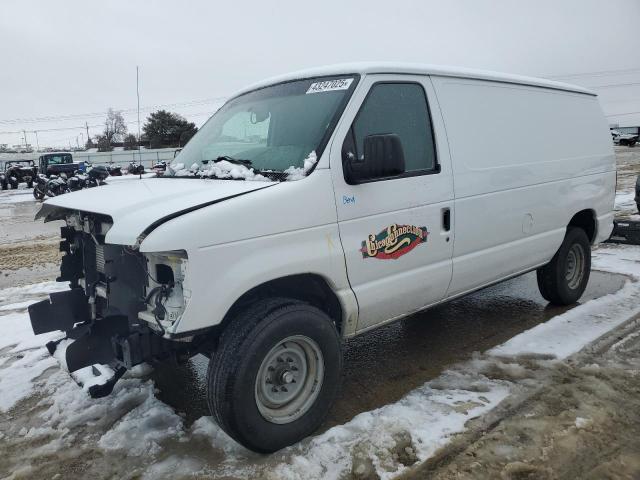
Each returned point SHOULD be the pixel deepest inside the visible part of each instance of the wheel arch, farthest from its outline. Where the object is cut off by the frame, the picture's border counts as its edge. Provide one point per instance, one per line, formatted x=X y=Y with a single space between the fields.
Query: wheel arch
x=586 y=220
x=306 y=287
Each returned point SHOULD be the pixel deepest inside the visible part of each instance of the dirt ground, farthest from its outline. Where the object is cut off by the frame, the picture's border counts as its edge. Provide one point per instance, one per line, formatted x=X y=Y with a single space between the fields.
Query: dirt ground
x=578 y=420
x=28 y=250
x=628 y=161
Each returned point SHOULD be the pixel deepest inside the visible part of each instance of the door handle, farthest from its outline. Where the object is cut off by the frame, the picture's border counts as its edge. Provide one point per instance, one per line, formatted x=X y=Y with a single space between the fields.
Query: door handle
x=446 y=219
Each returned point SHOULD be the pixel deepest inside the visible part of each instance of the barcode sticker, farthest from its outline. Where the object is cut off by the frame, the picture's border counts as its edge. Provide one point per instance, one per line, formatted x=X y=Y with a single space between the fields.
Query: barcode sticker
x=330 y=85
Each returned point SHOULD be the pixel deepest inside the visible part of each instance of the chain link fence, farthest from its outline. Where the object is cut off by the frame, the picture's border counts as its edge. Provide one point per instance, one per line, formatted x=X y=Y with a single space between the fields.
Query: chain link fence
x=148 y=158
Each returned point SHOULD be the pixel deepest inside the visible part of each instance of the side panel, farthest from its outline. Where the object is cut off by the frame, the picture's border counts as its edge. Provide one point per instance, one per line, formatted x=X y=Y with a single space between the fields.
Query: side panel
x=525 y=160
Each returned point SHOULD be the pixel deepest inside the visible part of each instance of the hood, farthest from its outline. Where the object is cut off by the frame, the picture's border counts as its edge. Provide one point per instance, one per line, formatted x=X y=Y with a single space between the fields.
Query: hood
x=138 y=206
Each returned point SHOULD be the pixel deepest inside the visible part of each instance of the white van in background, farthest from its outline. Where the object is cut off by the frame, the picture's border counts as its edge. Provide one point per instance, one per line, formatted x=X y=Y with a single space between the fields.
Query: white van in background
x=321 y=204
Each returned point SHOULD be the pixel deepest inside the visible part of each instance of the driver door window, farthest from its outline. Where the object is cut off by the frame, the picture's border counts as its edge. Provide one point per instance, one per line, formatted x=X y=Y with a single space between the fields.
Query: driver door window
x=401 y=109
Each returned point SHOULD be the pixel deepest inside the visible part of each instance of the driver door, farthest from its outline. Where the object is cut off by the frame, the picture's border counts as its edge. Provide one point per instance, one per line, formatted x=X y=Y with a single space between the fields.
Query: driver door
x=396 y=230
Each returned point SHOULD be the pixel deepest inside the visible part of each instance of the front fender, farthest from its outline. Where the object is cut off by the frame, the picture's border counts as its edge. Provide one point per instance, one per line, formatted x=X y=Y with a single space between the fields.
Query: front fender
x=221 y=274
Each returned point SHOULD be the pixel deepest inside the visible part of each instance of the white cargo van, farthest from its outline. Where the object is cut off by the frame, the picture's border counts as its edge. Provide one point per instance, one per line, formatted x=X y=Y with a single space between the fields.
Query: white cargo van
x=321 y=204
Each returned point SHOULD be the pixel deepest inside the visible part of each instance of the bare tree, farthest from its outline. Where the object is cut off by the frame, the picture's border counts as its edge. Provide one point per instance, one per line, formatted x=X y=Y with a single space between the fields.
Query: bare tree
x=103 y=143
x=114 y=126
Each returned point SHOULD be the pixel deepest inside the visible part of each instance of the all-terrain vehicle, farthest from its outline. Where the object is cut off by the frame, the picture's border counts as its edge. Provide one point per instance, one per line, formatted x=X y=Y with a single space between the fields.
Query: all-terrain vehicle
x=16 y=172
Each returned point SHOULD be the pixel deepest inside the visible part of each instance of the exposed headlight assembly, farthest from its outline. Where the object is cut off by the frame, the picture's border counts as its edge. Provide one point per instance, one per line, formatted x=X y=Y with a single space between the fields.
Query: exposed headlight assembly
x=167 y=292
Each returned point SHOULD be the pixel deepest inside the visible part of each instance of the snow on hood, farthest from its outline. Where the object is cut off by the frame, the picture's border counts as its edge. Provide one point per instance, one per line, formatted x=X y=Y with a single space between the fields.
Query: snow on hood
x=138 y=204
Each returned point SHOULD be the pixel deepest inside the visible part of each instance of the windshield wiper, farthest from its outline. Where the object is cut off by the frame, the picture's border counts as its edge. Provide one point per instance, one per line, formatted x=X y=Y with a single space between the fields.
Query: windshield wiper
x=237 y=161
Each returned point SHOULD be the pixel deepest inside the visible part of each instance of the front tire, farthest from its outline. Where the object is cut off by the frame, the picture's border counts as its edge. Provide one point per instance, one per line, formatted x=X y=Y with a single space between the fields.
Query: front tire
x=563 y=280
x=38 y=194
x=275 y=374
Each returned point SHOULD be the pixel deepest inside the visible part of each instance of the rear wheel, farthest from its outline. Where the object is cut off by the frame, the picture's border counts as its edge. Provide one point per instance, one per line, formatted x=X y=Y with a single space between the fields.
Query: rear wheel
x=563 y=280
x=275 y=374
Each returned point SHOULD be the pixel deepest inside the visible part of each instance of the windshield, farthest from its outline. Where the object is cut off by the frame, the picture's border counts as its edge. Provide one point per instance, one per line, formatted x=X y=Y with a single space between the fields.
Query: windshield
x=20 y=163
x=275 y=133
x=58 y=159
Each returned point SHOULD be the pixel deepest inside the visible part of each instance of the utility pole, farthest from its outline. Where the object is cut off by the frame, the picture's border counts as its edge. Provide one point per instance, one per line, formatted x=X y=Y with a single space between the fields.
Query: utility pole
x=138 y=95
x=77 y=144
x=87 y=125
x=25 y=138
x=37 y=143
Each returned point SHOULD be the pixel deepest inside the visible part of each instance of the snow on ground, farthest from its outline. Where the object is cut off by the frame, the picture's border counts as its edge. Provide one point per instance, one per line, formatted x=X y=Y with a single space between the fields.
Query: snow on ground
x=17 y=196
x=625 y=202
x=134 y=424
x=566 y=334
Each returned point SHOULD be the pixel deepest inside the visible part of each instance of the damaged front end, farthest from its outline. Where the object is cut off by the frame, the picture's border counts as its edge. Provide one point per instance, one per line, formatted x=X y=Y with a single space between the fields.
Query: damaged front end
x=120 y=305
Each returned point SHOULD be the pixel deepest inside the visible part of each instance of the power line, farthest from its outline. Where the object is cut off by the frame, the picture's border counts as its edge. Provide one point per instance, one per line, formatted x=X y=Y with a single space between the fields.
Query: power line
x=82 y=127
x=81 y=116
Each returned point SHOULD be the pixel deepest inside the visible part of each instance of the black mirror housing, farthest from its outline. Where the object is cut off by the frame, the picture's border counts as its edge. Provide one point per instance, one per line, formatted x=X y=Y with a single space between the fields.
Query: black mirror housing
x=383 y=157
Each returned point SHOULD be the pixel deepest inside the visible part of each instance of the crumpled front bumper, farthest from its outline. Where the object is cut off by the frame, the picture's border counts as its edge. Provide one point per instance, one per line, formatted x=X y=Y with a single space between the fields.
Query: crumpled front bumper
x=89 y=343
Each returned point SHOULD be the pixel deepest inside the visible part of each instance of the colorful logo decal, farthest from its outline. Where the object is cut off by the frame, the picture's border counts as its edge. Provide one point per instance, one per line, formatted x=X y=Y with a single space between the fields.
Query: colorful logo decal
x=394 y=241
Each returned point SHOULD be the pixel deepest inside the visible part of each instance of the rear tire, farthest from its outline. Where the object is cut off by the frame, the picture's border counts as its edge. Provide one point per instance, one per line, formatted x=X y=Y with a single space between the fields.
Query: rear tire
x=282 y=346
x=563 y=280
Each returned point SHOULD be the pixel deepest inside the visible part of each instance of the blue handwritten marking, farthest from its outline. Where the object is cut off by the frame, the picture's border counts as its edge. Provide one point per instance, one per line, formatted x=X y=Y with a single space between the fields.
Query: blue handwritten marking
x=348 y=200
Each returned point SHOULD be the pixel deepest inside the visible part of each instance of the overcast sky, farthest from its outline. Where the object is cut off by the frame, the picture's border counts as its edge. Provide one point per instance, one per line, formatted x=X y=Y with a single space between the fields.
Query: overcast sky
x=79 y=58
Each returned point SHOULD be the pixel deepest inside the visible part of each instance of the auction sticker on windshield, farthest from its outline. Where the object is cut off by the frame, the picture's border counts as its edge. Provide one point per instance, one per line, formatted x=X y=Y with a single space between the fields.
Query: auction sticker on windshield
x=330 y=85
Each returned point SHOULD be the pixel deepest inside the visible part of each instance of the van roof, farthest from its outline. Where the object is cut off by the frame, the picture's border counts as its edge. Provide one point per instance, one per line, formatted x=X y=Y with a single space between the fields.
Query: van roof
x=416 y=69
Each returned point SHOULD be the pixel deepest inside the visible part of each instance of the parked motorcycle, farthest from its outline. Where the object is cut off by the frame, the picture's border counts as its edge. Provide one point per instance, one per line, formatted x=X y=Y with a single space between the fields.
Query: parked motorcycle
x=135 y=168
x=96 y=176
x=114 y=170
x=77 y=182
x=160 y=168
x=50 y=187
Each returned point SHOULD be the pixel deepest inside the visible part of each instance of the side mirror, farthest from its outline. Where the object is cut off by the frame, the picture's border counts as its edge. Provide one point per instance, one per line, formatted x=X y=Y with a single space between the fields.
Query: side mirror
x=383 y=157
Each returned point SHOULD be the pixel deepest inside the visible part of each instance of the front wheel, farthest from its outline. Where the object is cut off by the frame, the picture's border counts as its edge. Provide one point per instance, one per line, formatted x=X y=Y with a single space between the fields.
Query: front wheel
x=563 y=280
x=38 y=194
x=275 y=374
